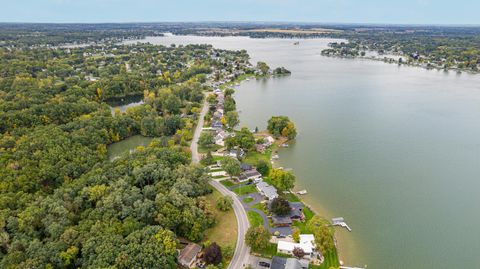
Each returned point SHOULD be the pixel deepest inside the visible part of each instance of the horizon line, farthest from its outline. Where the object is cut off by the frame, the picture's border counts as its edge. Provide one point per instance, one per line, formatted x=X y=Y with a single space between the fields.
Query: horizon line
x=256 y=22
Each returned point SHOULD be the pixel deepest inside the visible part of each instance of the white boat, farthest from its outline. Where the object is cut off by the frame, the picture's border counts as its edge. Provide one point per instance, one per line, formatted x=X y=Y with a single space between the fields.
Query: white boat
x=302 y=192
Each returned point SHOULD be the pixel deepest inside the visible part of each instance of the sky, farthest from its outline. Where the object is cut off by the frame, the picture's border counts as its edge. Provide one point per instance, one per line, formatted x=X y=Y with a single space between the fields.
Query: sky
x=320 y=11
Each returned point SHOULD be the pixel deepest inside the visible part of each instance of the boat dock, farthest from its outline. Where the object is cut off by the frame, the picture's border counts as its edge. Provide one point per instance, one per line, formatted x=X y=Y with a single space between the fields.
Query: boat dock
x=341 y=222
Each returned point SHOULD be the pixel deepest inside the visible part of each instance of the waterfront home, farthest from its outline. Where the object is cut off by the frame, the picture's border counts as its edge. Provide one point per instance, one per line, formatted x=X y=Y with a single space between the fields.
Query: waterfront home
x=260 y=148
x=188 y=255
x=234 y=153
x=307 y=244
x=269 y=140
x=287 y=263
x=249 y=174
x=245 y=167
x=296 y=212
x=216 y=124
x=281 y=221
x=266 y=190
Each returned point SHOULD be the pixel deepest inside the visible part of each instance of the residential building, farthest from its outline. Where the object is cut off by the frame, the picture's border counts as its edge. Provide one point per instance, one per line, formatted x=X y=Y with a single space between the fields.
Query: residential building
x=307 y=244
x=250 y=174
x=266 y=190
x=287 y=263
x=188 y=255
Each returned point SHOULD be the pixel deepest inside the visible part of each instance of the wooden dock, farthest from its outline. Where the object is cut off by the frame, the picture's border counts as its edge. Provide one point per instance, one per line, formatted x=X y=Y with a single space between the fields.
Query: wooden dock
x=341 y=222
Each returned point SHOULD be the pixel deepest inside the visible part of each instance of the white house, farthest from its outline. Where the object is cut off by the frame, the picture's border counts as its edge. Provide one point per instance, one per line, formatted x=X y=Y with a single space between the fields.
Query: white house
x=268 y=191
x=307 y=244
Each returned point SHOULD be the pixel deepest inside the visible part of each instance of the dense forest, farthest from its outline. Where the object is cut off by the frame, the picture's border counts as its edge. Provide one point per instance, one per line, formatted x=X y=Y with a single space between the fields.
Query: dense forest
x=62 y=203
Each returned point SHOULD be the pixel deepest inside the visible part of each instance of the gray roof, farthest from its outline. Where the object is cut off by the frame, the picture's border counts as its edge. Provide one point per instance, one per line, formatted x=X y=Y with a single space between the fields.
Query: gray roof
x=286 y=263
x=281 y=220
x=189 y=253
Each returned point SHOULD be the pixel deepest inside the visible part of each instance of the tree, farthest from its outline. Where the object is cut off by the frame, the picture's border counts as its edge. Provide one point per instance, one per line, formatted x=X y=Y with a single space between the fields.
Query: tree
x=323 y=233
x=212 y=99
x=263 y=167
x=296 y=235
x=212 y=254
x=231 y=166
x=224 y=203
x=280 y=206
x=298 y=252
x=206 y=139
x=281 y=126
x=245 y=139
x=257 y=238
x=263 y=68
x=283 y=180
x=208 y=159
x=231 y=118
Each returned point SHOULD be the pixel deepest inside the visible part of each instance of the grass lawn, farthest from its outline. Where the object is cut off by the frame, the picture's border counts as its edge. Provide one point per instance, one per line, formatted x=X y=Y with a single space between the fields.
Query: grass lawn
x=290 y=197
x=255 y=219
x=218 y=158
x=219 y=177
x=261 y=207
x=269 y=251
x=308 y=213
x=248 y=200
x=202 y=149
x=302 y=226
x=224 y=233
x=227 y=183
x=245 y=190
x=253 y=157
x=331 y=260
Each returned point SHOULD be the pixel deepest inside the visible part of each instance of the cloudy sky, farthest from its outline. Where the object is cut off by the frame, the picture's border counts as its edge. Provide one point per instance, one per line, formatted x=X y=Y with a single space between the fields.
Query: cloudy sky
x=335 y=11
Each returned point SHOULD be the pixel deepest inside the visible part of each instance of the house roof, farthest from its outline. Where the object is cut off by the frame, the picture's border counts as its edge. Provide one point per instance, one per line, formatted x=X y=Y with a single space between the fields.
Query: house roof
x=278 y=263
x=245 y=166
x=267 y=190
x=296 y=209
x=281 y=219
x=305 y=244
x=189 y=253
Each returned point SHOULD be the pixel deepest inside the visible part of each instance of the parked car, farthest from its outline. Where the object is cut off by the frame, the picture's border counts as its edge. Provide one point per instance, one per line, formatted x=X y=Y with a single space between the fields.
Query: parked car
x=264 y=264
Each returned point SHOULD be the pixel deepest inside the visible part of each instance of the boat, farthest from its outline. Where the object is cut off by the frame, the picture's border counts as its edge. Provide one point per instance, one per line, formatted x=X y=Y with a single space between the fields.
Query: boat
x=296 y=43
x=302 y=192
x=285 y=145
x=275 y=157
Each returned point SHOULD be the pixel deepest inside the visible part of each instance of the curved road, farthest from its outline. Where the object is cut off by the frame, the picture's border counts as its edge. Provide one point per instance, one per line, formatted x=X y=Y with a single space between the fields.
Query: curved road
x=242 y=251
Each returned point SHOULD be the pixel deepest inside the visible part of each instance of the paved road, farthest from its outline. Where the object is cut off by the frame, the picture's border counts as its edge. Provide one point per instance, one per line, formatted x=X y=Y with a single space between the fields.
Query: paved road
x=242 y=251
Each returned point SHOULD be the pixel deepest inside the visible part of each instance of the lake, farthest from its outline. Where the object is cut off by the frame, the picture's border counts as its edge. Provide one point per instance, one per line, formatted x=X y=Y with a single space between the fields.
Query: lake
x=395 y=150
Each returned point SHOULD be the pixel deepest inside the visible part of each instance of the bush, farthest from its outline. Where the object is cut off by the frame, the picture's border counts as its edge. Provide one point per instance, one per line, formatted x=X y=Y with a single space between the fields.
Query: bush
x=224 y=203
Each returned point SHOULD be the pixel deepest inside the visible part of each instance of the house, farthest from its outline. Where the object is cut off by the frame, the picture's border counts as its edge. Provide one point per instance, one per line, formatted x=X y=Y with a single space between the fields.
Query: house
x=245 y=167
x=217 y=124
x=266 y=190
x=236 y=153
x=281 y=221
x=287 y=263
x=296 y=211
x=260 y=148
x=249 y=174
x=188 y=255
x=307 y=244
x=269 y=140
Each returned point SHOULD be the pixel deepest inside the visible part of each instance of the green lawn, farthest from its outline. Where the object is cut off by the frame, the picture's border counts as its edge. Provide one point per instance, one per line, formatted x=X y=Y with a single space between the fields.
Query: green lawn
x=302 y=226
x=227 y=183
x=269 y=251
x=202 y=149
x=245 y=190
x=248 y=200
x=255 y=219
x=290 y=197
x=308 y=213
x=261 y=207
x=331 y=260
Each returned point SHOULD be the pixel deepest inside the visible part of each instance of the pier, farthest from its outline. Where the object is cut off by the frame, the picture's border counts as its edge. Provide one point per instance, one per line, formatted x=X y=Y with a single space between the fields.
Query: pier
x=341 y=222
